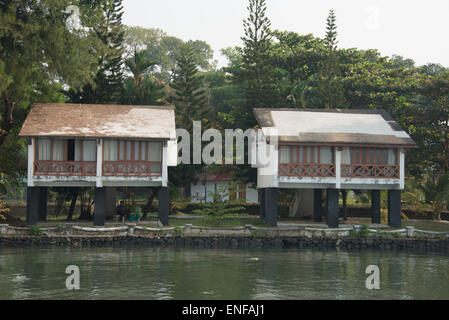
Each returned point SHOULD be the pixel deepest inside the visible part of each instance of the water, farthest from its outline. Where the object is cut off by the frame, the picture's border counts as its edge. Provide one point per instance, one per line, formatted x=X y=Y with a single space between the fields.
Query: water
x=167 y=273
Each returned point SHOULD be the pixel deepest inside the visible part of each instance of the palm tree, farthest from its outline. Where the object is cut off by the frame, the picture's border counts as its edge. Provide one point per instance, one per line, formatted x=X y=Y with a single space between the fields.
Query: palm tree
x=138 y=64
x=430 y=193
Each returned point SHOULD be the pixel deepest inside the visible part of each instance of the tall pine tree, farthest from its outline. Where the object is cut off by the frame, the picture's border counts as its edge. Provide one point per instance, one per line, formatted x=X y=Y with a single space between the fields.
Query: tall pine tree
x=258 y=75
x=330 y=88
x=108 y=82
x=189 y=97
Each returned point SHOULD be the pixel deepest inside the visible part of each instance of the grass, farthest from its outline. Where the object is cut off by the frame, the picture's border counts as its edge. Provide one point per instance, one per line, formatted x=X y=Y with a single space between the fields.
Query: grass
x=211 y=221
x=427 y=225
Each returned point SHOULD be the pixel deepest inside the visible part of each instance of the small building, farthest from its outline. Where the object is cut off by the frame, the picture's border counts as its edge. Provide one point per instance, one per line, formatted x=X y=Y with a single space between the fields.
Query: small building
x=208 y=184
x=101 y=146
x=315 y=150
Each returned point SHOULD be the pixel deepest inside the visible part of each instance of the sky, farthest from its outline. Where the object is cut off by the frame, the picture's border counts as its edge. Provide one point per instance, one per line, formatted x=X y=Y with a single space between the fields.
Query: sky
x=415 y=29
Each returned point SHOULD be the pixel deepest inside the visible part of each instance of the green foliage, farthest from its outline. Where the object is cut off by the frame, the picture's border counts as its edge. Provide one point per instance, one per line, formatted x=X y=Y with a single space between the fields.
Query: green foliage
x=158 y=46
x=108 y=80
x=328 y=79
x=361 y=233
x=219 y=206
x=189 y=97
x=36 y=231
x=149 y=91
x=257 y=74
x=37 y=51
x=431 y=193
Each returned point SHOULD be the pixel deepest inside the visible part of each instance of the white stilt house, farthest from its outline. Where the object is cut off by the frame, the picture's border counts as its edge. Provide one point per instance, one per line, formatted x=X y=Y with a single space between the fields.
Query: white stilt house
x=101 y=146
x=332 y=149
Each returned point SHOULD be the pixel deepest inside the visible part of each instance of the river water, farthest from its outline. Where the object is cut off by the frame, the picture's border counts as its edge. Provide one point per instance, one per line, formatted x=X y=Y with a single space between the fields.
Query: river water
x=169 y=273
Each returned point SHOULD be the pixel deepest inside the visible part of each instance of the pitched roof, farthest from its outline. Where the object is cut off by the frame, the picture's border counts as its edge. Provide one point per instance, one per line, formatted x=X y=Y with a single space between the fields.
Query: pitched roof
x=99 y=120
x=334 y=127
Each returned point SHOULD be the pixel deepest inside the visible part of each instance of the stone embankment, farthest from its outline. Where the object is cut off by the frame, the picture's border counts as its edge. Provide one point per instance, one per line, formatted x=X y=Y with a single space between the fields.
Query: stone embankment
x=245 y=237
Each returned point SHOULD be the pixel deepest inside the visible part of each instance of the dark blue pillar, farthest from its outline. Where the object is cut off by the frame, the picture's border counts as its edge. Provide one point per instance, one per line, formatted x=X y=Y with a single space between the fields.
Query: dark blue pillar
x=317 y=205
x=100 y=207
x=375 y=206
x=164 y=198
x=332 y=208
x=271 y=206
x=43 y=195
x=32 y=206
x=262 y=204
x=394 y=208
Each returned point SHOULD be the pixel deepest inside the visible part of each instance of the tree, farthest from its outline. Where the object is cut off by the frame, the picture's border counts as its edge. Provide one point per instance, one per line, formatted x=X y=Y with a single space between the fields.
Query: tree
x=190 y=100
x=329 y=85
x=257 y=75
x=297 y=58
x=138 y=64
x=108 y=80
x=37 y=50
x=188 y=97
x=150 y=91
x=164 y=50
x=432 y=192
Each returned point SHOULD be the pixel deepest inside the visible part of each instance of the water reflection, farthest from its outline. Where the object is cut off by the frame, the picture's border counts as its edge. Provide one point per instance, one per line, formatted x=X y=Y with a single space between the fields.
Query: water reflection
x=164 y=273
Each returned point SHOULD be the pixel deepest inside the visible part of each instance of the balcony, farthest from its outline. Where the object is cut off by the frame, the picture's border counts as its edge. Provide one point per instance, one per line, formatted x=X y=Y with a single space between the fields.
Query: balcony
x=65 y=168
x=370 y=171
x=347 y=170
x=306 y=170
x=132 y=168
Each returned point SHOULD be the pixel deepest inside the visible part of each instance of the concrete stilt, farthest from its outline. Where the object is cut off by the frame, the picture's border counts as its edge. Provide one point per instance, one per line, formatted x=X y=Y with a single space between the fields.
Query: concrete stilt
x=164 y=197
x=375 y=206
x=332 y=208
x=111 y=201
x=394 y=208
x=100 y=207
x=271 y=206
x=33 y=204
x=317 y=207
x=262 y=204
x=43 y=195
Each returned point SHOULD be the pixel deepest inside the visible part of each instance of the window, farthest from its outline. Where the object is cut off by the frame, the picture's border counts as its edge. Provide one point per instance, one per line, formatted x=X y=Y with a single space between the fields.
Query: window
x=43 y=149
x=110 y=150
x=369 y=156
x=66 y=149
x=155 y=151
x=129 y=150
x=304 y=154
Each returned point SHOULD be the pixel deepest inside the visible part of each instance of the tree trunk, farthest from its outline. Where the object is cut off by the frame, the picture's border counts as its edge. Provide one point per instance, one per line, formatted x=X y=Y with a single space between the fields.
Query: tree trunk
x=7 y=118
x=73 y=204
x=149 y=205
x=344 y=195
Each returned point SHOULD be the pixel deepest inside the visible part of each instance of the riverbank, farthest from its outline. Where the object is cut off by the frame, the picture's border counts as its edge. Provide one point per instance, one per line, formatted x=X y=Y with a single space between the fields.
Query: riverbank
x=237 y=242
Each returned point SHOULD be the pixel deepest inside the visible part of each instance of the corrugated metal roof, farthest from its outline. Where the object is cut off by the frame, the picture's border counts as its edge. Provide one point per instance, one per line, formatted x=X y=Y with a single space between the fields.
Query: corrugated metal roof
x=336 y=126
x=100 y=120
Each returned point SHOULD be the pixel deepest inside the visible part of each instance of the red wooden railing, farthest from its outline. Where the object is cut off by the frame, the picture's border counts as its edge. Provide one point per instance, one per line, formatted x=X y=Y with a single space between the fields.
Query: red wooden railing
x=132 y=168
x=306 y=170
x=370 y=171
x=65 y=168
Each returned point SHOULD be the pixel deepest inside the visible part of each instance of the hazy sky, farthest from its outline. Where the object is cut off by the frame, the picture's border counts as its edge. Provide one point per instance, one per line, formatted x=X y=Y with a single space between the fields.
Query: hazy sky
x=416 y=29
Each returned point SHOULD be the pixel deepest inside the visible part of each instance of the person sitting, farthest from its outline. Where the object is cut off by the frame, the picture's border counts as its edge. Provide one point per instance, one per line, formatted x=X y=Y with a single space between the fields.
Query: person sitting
x=135 y=213
x=121 y=211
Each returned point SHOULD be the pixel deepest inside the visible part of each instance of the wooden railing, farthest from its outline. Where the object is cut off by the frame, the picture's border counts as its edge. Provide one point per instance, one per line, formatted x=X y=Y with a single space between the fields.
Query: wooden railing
x=306 y=170
x=65 y=168
x=369 y=171
x=132 y=168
